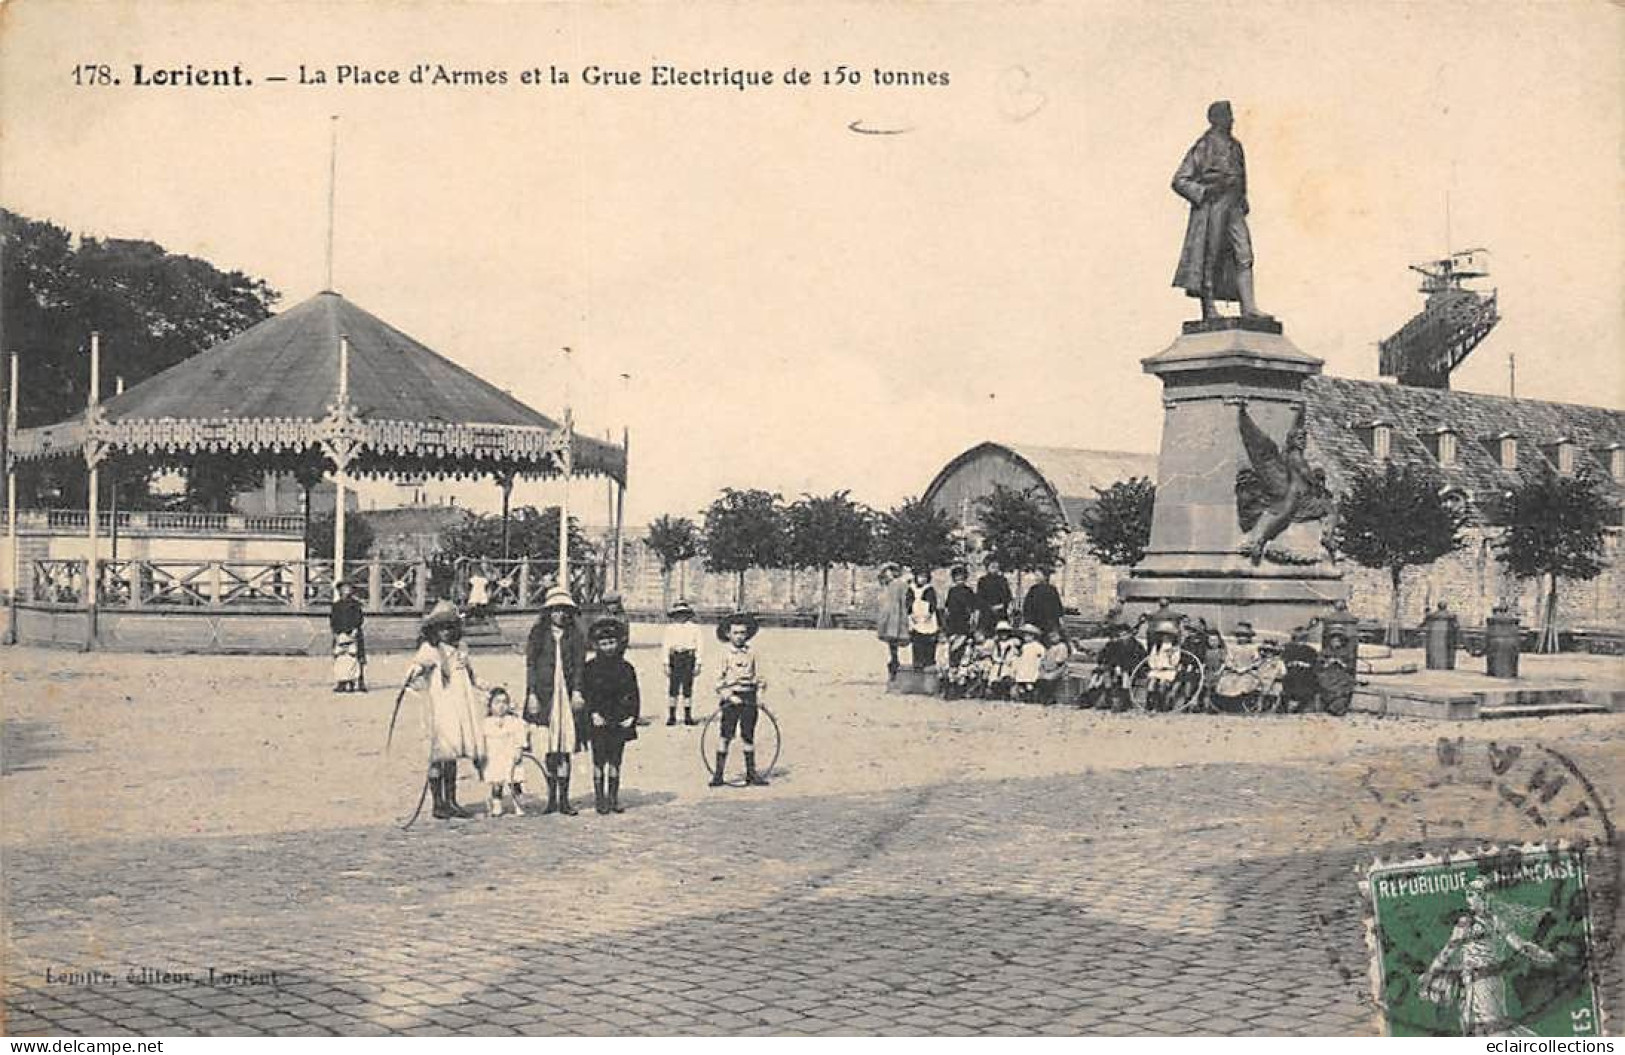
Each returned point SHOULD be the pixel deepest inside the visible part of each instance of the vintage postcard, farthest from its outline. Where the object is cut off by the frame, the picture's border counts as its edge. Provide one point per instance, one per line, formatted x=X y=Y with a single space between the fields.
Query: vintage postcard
x=811 y=519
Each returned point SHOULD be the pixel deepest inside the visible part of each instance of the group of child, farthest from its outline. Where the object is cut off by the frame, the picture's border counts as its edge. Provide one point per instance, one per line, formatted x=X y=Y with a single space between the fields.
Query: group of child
x=1003 y=663
x=1183 y=658
x=571 y=702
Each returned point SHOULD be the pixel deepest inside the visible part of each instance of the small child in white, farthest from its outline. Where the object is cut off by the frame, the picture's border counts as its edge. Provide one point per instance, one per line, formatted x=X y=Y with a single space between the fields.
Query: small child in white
x=504 y=743
x=346 y=662
x=1029 y=661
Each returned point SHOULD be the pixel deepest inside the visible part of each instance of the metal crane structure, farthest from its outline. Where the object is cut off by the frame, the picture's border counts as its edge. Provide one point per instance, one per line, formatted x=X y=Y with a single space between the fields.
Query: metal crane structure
x=1424 y=351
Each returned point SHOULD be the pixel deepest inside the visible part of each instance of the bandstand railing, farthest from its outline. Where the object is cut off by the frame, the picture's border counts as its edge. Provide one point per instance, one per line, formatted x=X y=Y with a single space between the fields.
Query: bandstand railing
x=164 y=522
x=524 y=582
x=289 y=585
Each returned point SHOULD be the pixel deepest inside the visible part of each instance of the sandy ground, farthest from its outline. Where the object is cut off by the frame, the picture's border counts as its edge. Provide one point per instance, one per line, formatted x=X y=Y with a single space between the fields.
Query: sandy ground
x=108 y=746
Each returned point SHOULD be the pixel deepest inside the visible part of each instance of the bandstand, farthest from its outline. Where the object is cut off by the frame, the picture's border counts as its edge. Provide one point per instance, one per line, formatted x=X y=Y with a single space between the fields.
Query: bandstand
x=322 y=389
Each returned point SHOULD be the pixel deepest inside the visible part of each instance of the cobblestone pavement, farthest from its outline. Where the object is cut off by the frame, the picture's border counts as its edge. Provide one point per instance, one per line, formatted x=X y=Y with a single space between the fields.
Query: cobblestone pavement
x=1168 y=896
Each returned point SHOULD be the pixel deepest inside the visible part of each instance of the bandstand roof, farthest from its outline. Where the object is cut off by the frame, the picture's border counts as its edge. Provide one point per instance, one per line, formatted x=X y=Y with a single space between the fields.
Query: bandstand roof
x=271 y=392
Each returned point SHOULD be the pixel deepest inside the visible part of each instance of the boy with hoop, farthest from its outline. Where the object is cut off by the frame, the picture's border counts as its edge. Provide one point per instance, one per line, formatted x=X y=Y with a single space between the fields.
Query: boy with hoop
x=739 y=686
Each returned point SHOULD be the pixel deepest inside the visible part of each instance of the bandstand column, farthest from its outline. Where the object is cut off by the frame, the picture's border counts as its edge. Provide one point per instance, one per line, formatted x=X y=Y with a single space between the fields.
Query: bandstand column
x=11 y=499
x=93 y=460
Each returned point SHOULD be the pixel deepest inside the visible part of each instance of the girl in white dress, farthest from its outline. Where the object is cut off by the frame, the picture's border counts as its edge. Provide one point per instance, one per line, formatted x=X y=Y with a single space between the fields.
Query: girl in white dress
x=455 y=713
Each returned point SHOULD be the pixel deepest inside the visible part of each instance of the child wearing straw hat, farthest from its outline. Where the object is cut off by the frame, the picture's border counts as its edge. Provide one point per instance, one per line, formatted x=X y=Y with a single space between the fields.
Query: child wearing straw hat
x=555 y=658
x=739 y=687
x=455 y=715
x=680 y=655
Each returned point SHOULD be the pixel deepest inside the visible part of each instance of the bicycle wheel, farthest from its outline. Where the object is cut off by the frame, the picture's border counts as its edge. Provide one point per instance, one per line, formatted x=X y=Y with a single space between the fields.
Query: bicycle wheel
x=768 y=743
x=1188 y=684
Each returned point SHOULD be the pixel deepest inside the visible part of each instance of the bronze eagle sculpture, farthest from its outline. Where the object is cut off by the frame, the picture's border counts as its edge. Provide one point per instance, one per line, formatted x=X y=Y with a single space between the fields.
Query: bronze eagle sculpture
x=1280 y=488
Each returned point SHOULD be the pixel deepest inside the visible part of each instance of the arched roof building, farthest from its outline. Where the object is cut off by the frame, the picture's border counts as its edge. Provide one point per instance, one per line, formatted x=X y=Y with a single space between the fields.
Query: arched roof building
x=1066 y=476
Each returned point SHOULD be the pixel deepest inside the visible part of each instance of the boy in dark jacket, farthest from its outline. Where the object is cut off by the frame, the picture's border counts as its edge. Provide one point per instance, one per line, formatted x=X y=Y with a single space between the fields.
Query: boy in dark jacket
x=611 y=687
x=1115 y=667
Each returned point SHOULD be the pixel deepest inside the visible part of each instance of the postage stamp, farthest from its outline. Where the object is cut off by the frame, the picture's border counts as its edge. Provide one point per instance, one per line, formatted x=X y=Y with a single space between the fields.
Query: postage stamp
x=1493 y=943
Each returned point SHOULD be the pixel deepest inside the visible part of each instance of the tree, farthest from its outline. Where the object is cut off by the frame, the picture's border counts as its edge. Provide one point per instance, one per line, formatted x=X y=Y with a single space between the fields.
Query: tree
x=1396 y=519
x=532 y=533
x=1019 y=528
x=1555 y=526
x=152 y=308
x=915 y=534
x=674 y=540
x=744 y=530
x=825 y=531
x=1118 y=525
x=358 y=537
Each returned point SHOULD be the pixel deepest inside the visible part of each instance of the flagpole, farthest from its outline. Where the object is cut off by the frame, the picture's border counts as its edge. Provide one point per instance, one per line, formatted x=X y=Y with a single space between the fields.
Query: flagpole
x=569 y=467
x=339 y=474
x=332 y=185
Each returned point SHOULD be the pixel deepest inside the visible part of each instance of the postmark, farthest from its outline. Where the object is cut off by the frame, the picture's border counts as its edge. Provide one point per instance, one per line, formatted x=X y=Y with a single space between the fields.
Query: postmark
x=1496 y=943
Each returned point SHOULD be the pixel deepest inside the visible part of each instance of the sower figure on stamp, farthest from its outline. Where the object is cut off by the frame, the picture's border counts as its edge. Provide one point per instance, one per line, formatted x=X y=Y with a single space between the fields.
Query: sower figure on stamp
x=555 y=658
x=1216 y=261
x=739 y=687
x=611 y=688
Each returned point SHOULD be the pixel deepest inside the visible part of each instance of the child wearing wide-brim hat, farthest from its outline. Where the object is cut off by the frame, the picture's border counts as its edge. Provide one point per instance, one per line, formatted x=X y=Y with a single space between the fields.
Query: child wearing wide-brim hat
x=455 y=715
x=555 y=663
x=739 y=687
x=680 y=659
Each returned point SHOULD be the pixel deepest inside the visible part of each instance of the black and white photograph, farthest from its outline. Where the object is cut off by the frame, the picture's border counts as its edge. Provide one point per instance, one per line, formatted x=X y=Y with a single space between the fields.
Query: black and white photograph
x=835 y=519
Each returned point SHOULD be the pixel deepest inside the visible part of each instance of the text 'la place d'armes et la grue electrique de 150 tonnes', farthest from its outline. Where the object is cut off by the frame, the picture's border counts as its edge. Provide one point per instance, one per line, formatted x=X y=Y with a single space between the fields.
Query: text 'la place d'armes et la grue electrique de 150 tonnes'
x=429 y=74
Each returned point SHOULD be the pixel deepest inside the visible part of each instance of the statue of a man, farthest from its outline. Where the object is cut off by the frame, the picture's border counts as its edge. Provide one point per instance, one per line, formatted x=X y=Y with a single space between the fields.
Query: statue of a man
x=1216 y=262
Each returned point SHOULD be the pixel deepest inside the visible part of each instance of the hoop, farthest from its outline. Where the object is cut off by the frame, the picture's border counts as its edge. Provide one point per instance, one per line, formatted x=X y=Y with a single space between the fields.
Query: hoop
x=707 y=752
x=1185 y=690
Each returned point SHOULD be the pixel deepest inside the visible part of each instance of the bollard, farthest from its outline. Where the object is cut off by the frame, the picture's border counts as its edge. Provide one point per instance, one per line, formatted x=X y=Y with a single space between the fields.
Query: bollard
x=1502 y=638
x=1441 y=634
x=1339 y=653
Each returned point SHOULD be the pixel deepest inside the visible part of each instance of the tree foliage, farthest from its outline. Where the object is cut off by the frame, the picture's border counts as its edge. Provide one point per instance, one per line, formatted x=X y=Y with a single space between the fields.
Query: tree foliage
x=358 y=537
x=152 y=308
x=1118 y=525
x=916 y=534
x=1019 y=528
x=1395 y=519
x=1555 y=526
x=1398 y=518
x=744 y=530
x=827 y=530
x=532 y=533
x=674 y=540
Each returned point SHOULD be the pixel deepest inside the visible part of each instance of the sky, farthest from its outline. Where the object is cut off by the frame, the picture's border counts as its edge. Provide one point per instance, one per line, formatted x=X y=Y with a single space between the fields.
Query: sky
x=798 y=306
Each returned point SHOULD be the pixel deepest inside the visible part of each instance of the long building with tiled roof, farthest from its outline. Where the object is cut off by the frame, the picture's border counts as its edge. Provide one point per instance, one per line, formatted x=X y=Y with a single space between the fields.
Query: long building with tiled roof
x=1481 y=445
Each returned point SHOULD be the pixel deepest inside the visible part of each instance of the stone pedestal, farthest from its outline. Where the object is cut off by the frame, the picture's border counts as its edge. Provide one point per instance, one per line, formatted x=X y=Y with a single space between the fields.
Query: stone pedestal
x=1196 y=558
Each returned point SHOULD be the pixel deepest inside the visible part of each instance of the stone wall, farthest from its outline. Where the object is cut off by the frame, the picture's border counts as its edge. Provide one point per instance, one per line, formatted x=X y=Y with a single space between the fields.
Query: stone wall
x=1084 y=584
x=1471 y=581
